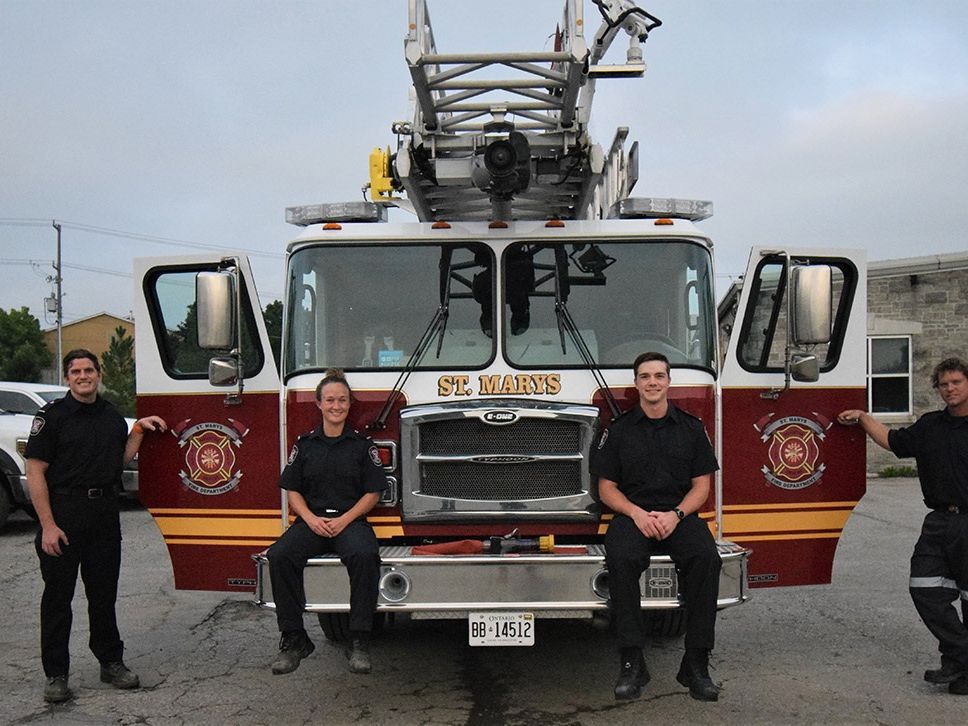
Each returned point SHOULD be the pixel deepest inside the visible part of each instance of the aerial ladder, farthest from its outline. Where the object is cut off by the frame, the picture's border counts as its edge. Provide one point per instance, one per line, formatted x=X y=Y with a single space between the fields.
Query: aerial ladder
x=504 y=136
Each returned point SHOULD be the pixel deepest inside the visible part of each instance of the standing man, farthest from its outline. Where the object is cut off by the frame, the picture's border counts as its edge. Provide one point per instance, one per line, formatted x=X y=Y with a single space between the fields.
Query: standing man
x=333 y=478
x=77 y=449
x=939 y=566
x=655 y=469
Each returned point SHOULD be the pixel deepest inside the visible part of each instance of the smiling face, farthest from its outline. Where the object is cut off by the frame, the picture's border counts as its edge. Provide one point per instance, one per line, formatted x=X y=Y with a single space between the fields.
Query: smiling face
x=334 y=403
x=652 y=382
x=83 y=379
x=953 y=388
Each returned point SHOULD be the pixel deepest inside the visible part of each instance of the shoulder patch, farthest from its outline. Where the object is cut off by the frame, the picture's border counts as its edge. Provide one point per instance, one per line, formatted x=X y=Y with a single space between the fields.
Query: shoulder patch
x=603 y=438
x=375 y=456
x=292 y=453
x=37 y=424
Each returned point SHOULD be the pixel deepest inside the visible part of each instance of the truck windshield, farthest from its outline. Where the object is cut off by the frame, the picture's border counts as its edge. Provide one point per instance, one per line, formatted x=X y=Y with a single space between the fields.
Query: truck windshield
x=624 y=297
x=368 y=306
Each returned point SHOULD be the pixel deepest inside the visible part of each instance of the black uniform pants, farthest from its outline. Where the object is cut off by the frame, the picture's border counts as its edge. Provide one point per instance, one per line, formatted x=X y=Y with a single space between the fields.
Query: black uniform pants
x=357 y=549
x=93 y=529
x=939 y=576
x=628 y=553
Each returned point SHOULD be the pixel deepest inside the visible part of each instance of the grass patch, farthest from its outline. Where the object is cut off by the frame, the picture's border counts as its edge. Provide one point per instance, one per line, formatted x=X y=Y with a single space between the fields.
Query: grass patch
x=897 y=471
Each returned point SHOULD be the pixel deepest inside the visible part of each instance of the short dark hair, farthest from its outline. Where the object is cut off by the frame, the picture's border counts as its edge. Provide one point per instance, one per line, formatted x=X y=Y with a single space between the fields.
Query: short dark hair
x=646 y=358
x=80 y=353
x=948 y=365
x=332 y=375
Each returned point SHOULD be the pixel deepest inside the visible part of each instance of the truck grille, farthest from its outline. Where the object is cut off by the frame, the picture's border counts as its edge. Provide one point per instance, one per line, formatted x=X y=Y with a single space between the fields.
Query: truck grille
x=533 y=463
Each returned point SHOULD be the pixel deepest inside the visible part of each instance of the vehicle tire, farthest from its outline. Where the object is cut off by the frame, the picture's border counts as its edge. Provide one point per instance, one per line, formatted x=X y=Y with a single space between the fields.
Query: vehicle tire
x=666 y=623
x=336 y=626
x=6 y=504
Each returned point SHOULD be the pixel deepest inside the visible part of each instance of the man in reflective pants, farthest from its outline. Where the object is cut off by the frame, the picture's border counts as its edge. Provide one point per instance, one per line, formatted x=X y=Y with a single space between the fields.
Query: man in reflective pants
x=939 y=566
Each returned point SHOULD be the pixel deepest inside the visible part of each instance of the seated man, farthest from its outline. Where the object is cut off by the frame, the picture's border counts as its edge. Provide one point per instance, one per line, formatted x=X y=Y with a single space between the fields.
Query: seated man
x=655 y=467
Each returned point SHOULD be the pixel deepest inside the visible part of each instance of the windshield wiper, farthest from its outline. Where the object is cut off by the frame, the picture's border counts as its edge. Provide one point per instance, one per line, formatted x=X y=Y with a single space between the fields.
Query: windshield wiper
x=437 y=326
x=567 y=323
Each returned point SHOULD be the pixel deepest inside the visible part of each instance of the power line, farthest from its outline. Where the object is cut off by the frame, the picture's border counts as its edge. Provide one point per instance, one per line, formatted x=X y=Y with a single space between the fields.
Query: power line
x=169 y=241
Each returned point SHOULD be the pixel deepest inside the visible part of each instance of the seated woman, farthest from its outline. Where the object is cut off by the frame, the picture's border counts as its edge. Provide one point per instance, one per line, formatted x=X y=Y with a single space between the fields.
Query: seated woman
x=333 y=478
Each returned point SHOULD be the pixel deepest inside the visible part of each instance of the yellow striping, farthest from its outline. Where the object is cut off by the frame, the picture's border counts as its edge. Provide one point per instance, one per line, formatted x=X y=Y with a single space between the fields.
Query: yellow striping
x=259 y=512
x=218 y=526
x=804 y=505
x=391 y=520
x=386 y=532
x=775 y=537
x=253 y=543
x=784 y=522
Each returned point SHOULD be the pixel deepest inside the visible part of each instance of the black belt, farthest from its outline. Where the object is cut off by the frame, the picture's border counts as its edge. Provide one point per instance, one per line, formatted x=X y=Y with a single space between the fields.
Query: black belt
x=93 y=493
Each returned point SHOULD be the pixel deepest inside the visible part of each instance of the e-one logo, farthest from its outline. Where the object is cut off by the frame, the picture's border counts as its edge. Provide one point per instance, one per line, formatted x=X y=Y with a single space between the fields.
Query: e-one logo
x=499 y=418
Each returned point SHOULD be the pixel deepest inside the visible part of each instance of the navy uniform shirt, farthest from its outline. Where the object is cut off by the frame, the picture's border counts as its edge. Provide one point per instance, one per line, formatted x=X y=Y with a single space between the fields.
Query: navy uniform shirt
x=939 y=443
x=82 y=443
x=653 y=461
x=333 y=473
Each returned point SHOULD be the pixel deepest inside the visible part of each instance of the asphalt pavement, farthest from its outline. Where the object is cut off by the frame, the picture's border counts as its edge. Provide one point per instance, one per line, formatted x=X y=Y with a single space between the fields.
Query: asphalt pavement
x=852 y=652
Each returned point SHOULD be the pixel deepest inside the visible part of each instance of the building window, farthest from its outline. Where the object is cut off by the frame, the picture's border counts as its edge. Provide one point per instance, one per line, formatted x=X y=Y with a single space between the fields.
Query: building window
x=889 y=374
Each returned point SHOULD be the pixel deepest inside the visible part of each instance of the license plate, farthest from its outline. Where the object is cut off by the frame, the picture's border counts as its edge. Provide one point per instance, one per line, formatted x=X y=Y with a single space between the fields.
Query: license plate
x=500 y=628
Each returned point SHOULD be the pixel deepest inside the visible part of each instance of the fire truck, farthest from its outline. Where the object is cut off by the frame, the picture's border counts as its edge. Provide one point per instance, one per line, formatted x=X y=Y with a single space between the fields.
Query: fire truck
x=487 y=343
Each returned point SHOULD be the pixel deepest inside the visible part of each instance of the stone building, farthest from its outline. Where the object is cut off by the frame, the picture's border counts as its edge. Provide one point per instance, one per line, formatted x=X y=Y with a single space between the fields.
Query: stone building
x=917 y=314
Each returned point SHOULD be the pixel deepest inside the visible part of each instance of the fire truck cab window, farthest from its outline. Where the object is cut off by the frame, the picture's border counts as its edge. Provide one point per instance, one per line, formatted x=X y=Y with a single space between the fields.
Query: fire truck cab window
x=624 y=298
x=173 y=316
x=368 y=306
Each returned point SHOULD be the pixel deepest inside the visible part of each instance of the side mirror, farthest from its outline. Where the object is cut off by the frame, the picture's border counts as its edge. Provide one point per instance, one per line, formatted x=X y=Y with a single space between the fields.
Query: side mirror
x=804 y=367
x=215 y=301
x=812 y=296
x=223 y=371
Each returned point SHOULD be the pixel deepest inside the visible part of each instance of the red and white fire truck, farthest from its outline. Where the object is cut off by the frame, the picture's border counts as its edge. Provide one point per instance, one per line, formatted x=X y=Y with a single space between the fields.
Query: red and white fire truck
x=486 y=344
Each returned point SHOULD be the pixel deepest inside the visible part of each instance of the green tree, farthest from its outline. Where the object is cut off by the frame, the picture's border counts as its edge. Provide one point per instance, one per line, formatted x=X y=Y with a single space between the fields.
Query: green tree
x=23 y=354
x=117 y=367
x=273 y=319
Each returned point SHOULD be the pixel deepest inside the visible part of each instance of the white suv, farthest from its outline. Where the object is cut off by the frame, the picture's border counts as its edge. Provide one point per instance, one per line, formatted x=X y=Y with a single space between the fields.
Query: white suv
x=19 y=402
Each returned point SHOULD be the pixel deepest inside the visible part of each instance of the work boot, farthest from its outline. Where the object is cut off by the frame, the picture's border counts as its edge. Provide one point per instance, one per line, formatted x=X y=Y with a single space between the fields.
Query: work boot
x=359 y=655
x=959 y=687
x=118 y=675
x=56 y=690
x=947 y=673
x=294 y=645
x=694 y=675
x=633 y=677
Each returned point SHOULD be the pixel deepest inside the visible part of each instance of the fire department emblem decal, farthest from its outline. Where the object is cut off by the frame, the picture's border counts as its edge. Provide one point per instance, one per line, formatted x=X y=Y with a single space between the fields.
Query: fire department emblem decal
x=209 y=455
x=794 y=449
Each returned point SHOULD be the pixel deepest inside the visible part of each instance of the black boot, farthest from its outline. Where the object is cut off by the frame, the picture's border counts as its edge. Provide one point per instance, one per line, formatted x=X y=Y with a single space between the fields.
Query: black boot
x=633 y=677
x=359 y=653
x=294 y=645
x=947 y=673
x=694 y=675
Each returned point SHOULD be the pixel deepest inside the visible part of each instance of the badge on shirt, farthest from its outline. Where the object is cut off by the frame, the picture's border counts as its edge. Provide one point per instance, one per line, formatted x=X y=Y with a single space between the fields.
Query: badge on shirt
x=292 y=454
x=375 y=456
x=601 y=441
x=36 y=425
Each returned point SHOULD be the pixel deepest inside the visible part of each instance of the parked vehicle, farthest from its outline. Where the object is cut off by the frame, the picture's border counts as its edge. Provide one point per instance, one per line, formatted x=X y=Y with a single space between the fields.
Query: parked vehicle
x=486 y=344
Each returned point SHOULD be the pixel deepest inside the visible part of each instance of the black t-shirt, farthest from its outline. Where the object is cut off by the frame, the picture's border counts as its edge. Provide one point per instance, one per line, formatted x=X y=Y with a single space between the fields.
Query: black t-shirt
x=654 y=461
x=939 y=443
x=82 y=443
x=333 y=473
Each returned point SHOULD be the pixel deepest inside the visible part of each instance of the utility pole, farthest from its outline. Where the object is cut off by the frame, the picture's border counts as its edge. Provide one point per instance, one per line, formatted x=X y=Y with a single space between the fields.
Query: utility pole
x=60 y=314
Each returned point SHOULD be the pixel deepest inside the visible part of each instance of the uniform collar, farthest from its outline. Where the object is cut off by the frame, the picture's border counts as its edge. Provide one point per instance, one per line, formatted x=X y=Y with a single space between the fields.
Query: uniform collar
x=317 y=433
x=74 y=405
x=672 y=414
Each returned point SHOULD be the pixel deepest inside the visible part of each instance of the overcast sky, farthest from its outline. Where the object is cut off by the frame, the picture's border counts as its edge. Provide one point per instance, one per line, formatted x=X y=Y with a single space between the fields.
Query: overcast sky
x=142 y=125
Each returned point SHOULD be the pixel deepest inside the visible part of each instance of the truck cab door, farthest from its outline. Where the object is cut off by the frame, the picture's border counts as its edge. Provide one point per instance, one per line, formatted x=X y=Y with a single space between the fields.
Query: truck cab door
x=211 y=482
x=790 y=474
